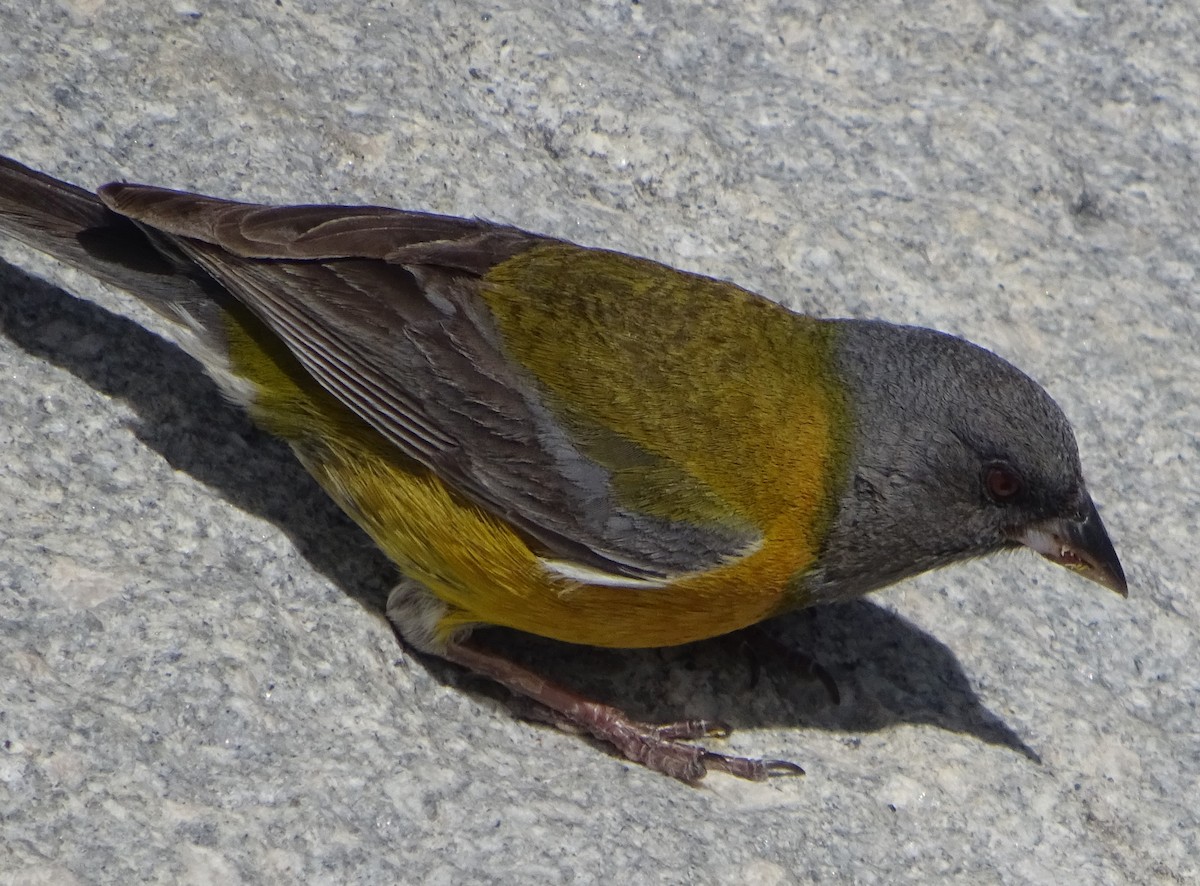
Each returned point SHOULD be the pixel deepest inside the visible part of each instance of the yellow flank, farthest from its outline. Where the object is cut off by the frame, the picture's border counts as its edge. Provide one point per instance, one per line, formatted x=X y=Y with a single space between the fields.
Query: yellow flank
x=709 y=404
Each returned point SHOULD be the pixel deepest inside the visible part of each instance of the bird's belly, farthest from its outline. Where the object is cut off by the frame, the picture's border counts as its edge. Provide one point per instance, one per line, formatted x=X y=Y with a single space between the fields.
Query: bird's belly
x=487 y=573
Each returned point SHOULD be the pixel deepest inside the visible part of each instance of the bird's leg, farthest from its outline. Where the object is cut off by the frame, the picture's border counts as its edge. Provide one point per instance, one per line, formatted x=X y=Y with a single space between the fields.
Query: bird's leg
x=796 y=661
x=658 y=747
x=417 y=613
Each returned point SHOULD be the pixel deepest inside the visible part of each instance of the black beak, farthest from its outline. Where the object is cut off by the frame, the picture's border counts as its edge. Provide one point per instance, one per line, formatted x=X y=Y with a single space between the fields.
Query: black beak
x=1082 y=545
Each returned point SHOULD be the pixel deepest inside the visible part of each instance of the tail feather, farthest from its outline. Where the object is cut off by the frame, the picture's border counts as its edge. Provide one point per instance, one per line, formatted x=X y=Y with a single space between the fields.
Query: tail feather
x=72 y=225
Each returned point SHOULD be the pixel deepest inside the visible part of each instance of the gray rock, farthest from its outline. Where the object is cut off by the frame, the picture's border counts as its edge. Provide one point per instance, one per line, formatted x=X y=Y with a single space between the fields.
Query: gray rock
x=196 y=683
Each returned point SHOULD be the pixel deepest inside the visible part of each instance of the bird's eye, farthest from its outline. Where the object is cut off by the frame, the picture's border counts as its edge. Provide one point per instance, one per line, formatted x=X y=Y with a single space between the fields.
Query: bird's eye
x=1002 y=482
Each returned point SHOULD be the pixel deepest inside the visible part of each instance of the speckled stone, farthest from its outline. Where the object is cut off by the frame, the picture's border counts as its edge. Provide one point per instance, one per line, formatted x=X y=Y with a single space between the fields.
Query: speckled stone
x=196 y=682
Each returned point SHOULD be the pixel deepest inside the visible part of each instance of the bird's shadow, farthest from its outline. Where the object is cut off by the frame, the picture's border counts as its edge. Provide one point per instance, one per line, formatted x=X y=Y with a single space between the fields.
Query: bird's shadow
x=888 y=671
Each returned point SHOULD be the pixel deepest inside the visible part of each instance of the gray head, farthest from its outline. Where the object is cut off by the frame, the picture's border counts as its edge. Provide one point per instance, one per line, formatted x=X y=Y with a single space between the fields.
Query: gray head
x=955 y=454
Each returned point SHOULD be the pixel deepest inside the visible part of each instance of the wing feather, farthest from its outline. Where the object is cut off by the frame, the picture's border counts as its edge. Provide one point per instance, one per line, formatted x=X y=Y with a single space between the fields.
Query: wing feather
x=382 y=307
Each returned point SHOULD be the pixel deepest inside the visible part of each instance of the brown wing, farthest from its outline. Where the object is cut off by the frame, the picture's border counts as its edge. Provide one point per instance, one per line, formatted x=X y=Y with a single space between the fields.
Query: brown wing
x=381 y=307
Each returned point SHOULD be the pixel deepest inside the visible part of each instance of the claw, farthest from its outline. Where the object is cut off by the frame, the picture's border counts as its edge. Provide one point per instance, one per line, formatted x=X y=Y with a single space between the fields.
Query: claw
x=782 y=768
x=751 y=769
x=658 y=747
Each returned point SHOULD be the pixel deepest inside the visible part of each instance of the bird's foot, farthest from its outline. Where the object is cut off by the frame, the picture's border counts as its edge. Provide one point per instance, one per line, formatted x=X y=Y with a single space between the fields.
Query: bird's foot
x=796 y=661
x=661 y=747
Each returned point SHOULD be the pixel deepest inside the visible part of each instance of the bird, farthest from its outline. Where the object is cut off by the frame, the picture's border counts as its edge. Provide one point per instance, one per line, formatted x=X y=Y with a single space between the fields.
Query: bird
x=581 y=444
